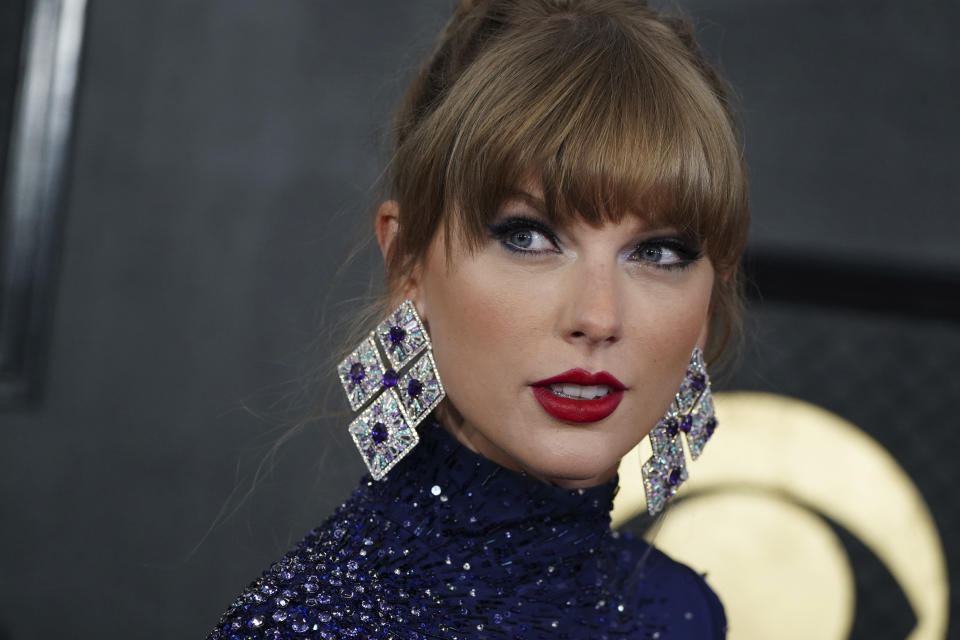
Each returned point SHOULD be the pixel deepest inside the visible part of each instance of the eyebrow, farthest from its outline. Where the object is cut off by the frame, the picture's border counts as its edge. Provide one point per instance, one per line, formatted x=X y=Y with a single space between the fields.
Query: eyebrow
x=530 y=200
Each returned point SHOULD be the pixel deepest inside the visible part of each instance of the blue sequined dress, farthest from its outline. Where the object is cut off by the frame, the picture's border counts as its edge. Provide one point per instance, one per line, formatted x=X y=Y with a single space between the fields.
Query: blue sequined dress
x=451 y=545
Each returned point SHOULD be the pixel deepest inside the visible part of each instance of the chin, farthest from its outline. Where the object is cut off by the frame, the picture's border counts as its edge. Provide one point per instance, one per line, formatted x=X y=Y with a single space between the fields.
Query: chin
x=577 y=467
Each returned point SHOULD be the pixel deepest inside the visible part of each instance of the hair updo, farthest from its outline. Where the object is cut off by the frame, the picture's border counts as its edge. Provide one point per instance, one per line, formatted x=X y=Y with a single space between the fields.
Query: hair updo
x=609 y=104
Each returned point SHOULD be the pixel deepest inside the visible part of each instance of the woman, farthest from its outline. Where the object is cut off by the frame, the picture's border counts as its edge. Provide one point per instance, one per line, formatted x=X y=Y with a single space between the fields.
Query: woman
x=569 y=208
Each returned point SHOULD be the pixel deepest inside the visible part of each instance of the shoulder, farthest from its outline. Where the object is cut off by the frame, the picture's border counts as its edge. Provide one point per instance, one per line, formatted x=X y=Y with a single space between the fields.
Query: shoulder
x=686 y=606
x=315 y=588
x=278 y=603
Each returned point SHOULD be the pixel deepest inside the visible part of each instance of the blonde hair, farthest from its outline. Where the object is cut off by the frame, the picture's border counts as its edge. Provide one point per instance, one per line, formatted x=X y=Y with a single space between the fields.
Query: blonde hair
x=608 y=104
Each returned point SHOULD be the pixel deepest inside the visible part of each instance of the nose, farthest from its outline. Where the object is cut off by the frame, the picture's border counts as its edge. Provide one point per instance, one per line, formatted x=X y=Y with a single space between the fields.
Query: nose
x=593 y=306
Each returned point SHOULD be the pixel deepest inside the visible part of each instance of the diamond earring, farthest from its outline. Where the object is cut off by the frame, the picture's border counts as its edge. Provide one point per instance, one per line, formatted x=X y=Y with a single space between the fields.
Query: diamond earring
x=691 y=412
x=394 y=368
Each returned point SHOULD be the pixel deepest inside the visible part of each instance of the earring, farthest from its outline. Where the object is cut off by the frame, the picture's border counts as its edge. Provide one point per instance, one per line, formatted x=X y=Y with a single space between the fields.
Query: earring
x=691 y=412
x=394 y=368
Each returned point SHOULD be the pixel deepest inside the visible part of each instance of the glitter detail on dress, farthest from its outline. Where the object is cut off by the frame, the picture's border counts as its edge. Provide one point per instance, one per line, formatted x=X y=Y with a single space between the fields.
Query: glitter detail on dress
x=496 y=554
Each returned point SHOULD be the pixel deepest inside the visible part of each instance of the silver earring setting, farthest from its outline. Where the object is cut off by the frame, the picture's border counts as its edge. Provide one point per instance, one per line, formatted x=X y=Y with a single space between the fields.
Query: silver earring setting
x=394 y=368
x=691 y=412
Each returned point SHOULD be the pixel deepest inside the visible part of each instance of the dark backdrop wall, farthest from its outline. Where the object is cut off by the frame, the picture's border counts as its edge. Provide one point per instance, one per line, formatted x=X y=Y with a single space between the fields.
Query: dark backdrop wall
x=224 y=155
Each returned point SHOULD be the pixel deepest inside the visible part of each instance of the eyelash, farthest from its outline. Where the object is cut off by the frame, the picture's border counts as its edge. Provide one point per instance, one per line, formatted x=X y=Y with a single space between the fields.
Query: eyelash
x=502 y=230
x=687 y=252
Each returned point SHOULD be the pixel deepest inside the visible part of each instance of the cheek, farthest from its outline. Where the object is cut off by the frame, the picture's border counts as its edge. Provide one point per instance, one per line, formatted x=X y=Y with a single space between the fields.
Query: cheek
x=663 y=328
x=663 y=323
x=479 y=324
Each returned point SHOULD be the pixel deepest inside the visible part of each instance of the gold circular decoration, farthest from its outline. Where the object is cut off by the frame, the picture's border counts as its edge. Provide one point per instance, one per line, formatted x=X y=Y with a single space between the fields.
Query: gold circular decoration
x=770 y=455
x=801 y=566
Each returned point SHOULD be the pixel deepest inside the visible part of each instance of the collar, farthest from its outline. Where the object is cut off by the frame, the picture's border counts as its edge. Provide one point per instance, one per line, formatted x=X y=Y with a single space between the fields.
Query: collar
x=454 y=499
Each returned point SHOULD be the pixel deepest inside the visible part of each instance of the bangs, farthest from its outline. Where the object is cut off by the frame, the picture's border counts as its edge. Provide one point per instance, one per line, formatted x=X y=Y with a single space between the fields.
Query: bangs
x=607 y=125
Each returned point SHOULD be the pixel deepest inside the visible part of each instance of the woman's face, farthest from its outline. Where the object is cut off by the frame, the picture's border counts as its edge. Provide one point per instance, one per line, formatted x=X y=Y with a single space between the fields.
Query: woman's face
x=521 y=327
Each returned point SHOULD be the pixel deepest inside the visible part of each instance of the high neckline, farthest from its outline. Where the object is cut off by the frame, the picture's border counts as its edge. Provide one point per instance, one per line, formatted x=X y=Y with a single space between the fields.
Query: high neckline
x=452 y=545
x=460 y=494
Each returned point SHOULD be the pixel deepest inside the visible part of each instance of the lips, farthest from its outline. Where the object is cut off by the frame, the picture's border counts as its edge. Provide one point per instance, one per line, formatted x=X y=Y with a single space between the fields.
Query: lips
x=579 y=396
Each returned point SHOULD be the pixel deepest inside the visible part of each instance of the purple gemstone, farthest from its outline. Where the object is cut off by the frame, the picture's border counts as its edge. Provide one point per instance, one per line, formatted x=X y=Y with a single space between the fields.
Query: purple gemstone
x=300 y=624
x=357 y=373
x=686 y=423
x=698 y=382
x=414 y=387
x=378 y=433
x=710 y=426
x=673 y=428
x=397 y=334
x=675 y=477
x=390 y=378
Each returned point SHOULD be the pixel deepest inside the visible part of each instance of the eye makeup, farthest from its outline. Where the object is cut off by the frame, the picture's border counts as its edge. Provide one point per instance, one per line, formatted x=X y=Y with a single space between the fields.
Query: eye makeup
x=530 y=236
x=518 y=233
x=653 y=250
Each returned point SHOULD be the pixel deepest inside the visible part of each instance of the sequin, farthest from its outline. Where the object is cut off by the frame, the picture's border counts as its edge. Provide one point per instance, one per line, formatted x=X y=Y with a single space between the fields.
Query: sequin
x=505 y=556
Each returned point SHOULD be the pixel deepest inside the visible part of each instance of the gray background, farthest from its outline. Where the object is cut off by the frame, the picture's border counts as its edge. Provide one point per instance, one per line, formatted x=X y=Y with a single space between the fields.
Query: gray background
x=224 y=157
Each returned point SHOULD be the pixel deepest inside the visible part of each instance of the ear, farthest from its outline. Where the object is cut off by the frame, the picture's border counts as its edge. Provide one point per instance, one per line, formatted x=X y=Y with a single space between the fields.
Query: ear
x=387 y=226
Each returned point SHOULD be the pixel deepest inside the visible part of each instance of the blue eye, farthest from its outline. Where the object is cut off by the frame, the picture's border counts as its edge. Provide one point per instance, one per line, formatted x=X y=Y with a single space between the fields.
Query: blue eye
x=522 y=239
x=660 y=255
x=529 y=240
x=524 y=235
x=667 y=253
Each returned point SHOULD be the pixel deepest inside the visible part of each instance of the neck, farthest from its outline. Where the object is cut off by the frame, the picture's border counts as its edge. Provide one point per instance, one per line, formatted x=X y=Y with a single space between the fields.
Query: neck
x=443 y=479
x=474 y=440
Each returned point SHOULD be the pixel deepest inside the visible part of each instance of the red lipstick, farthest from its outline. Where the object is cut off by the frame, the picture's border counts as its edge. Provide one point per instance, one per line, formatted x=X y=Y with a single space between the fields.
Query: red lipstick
x=579 y=410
